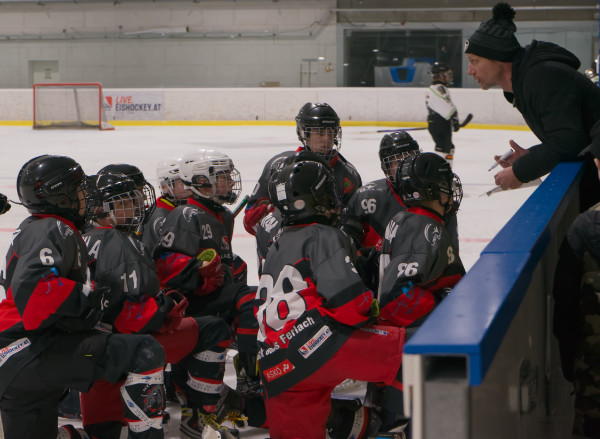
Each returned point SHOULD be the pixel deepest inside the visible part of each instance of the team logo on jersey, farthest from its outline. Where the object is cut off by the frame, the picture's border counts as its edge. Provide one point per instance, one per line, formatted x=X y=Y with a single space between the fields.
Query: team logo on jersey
x=137 y=244
x=64 y=230
x=390 y=230
x=158 y=223
x=189 y=212
x=309 y=348
x=348 y=185
x=433 y=233
x=279 y=370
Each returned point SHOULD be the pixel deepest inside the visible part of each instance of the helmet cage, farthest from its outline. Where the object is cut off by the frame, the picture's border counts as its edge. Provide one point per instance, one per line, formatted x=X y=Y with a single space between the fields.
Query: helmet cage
x=199 y=174
x=119 y=199
x=319 y=119
x=390 y=163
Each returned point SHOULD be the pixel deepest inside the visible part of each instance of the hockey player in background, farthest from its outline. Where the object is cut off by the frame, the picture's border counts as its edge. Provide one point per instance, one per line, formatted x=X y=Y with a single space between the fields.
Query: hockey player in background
x=173 y=193
x=121 y=262
x=47 y=320
x=318 y=128
x=419 y=262
x=315 y=320
x=442 y=116
x=194 y=256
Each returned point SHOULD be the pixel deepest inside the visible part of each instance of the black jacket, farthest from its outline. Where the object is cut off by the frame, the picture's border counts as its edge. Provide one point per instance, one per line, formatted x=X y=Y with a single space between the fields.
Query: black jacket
x=558 y=103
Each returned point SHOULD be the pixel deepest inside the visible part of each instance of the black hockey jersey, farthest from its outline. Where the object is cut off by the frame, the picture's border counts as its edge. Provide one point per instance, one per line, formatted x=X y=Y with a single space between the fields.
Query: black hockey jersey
x=121 y=262
x=186 y=232
x=419 y=264
x=313 y=299
x=347 y=177
x=153 y=227
x=46 y=278
x=375 y=204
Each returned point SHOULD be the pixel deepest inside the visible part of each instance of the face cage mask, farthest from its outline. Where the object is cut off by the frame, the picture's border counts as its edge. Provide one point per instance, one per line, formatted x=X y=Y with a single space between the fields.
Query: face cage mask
x=149 y=200
x=232 y=194
x=336 y=138
x=457 y=194
x=388 y=162
x=131 y=217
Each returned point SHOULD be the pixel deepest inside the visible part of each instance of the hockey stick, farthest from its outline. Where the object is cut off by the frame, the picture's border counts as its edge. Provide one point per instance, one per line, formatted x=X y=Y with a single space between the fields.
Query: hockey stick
x=466 y=121
x=393 y=131
x=240 y=206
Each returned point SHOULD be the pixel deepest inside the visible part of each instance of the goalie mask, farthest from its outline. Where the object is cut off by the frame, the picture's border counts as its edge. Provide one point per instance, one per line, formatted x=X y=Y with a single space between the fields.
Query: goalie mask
x=55 y=185
x=318 y=128
x=427 y=176
x=395 y=147
x=135 y=174
x=305 y=189
x=441 y=72
x=211 y=174
x=121 y=200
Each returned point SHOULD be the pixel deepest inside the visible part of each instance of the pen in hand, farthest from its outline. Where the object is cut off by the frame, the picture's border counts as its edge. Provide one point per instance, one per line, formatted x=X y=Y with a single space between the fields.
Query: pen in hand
x=506 y=155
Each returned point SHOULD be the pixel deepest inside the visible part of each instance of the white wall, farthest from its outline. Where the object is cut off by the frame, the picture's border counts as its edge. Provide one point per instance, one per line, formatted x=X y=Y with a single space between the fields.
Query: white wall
x=139 y=45
x=282 y=104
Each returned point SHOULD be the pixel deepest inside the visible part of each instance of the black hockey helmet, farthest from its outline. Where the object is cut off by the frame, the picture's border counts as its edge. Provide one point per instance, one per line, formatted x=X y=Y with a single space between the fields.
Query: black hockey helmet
x=135 y=174
x=121 y=201
x=441 y=72
x=305 y=189
x=312 y=117
x=425 y=177
x=51 y=184
x=393 y=148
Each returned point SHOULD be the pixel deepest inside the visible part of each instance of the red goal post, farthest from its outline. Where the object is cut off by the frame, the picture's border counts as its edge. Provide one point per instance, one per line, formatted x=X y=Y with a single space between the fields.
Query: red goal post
x=69 y=105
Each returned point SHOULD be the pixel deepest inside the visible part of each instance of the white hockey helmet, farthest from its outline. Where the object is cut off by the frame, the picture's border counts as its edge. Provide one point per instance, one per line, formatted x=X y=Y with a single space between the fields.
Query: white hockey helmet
x=200 y=171
x=167 y=173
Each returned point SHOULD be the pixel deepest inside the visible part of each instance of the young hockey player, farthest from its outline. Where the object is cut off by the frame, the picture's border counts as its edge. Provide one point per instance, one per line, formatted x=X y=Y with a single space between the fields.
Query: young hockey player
x=318 y=128
x=194 y=256
x=442 y=117
x=419 y=262
x=121 y=262
x=47 y=320
x=173 y=193
x=314 y=322
x=142 y=184
x=372 y=206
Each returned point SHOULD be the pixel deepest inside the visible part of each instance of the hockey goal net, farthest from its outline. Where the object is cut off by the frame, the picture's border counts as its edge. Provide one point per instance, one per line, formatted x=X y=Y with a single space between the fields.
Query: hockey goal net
x=76 y=105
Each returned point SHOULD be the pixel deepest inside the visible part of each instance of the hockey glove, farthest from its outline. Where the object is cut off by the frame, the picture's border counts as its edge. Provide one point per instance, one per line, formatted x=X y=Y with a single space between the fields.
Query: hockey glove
x=4 y=204
x=101 y=297
x=455 y=122
x=367 y=265
x=211 y=272
x=179 y=304
x=254 y=214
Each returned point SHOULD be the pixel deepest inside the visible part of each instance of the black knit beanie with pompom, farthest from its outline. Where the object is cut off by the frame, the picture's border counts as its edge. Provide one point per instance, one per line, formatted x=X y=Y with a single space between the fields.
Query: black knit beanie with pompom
x=495 y=38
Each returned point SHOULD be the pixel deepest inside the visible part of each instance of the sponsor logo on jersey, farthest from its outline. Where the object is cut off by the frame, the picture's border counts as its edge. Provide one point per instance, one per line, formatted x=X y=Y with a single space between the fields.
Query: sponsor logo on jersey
x=279 y=370
x=374 y=331
x=137 y=244
x=158 y=224
x=296 y=329
x=12 y=349
x=64 y=230
x=309 y=348
x=433 y=233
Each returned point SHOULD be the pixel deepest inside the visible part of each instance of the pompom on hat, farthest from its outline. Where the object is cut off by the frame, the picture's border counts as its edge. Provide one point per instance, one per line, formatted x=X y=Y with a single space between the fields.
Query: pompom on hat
x=495 y=39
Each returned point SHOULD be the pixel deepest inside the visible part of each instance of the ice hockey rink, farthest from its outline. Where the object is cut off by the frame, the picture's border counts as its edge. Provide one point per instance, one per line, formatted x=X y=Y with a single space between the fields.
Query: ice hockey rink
x=479 y=218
